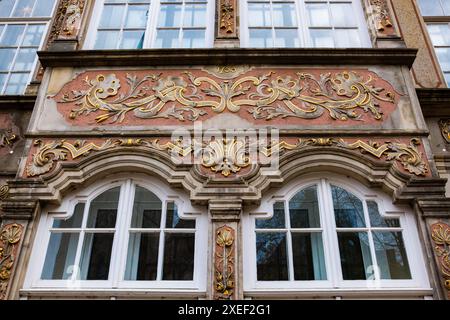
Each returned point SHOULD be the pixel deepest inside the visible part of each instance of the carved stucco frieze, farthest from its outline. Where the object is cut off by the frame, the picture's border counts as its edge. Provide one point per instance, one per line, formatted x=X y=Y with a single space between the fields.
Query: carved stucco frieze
x=224 y=263
x=227 y=13
x=67 y=21
x=382 y=18
x=440 y=233
x=10 y=237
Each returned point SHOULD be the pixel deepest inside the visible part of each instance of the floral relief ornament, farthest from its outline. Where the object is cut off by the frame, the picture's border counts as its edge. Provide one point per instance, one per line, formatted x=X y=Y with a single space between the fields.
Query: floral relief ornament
x=440 y=233
x=224 y=263
x=9 y=240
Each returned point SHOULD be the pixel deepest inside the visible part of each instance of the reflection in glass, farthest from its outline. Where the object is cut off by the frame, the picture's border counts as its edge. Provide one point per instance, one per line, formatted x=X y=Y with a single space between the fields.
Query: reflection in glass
x=376 y=220
x=347 y=38
x=354 y=250
x=136 y=17
x=60 y=256
x=193 y=39
x=74 y=221
x=322 y=38
x=106 y=39
x=286 y=38
x=271 y=256
x=173 y=220
x=348 y=209
x=308 y=256
x=260 y=15
x=284 y=15
x=178 y=256
x=260 y=38
x=391 y=255
x=142 y=260
x=96 y=256
x=112 y=17
x=12 y=35
x=167 y=39
x=17 y=83
x=103 y=209
x=277 y=220
x=304 y=209
x=24 y=60
x=318 y=15
x=194 y=15
x=146 y=209
x=170 y=16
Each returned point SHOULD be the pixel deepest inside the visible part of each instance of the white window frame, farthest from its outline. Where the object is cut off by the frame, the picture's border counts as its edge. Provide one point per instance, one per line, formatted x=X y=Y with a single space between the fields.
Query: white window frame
x=152 y=24
x=302 y=29
x=120 y=244
x=419 y=280
x=27 y=21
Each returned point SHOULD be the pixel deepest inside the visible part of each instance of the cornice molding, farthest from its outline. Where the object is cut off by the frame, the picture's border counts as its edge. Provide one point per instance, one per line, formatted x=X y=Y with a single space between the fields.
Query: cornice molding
x=17 y=102
x=434 y=102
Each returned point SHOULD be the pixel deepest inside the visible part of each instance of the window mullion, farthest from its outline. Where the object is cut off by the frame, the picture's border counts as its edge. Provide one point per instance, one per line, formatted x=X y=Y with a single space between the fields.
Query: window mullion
x=161 y=241
x=289 y=253
x=375 y=267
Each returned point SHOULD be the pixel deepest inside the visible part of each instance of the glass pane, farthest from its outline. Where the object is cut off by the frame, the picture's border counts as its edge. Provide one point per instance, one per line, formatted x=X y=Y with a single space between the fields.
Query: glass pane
x=446 y=5
x=304 y=209
x=96 y=256
x=447 y=79
x=174 y=221
x=24 y=60
x=376 y=220
x=107 y=39
x=308 y=257
x=356 y=261
x=440 y=34
x=318 y=15
x=271 y=256
x=142 y=260
x=33 y=35
x=193 y=39
x=17 y=83
x=194 y=15
x=342 y=15
x=43 y=8
x=74 y=221
x=347 y=38
x=261 y=38
x=146 y=209
x=430 y=8
x=6 y=7
x=6 y=58
x=170 y=15
x=391 y=255
x=23 y=8
x=60 y=257
x=322 y=38
x=284 y=15
x=136 y=17
x=112 y=17
x=3 y=77
x=167 y=39
x=285 y=38
x=348 y=209
x=444 y=58
x=2 y=26
x=260 y=15
x=178 y=256
x=103 y=209
x=12 y=35
x=132 y=40
x=277 y=220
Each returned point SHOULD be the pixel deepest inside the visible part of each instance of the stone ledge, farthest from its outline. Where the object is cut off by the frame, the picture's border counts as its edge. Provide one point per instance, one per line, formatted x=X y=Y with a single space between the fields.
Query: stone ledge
x=434 y=102
x=17 y=102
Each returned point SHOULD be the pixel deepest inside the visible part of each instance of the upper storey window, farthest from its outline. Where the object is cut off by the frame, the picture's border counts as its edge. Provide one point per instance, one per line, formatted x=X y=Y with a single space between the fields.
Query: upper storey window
x=302 y=23
x=137 y=24
x=437 y=17
x=23 y=24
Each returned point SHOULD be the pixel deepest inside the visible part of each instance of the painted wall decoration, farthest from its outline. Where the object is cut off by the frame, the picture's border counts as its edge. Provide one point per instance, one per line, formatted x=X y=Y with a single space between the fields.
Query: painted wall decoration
x=224 y=264
x=10 y=236
x=171 y=97
x=440 y=233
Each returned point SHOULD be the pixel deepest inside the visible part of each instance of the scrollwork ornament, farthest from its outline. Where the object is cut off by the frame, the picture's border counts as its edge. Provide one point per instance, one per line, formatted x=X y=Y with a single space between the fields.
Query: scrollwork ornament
x=440 y=233
x=10 y=237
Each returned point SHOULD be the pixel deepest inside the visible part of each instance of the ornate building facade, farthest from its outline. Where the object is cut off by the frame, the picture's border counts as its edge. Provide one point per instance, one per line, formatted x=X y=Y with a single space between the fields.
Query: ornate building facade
x=224 y=149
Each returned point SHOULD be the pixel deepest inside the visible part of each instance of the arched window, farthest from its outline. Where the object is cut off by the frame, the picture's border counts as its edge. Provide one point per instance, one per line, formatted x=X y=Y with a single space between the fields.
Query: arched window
x=331 y=234
x=121 y=234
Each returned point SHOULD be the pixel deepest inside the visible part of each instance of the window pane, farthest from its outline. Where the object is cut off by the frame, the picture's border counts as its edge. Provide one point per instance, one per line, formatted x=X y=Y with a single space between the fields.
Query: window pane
x=96 y=256
x=444 y=58
x=391 y=255
x=178 y=256
x=132 y=40
x=142 y=261
x=174 y=221
x=356 y=261
x=74 y=221
x=447 y=78
x=430 y=8
x=318 y=15
x=304 y=209
x=112 y=17
x=271 y=256
x=308 y=257
x=17 y=83
x=43 y=8
x=136 y=17
x=261 y=38
x=341 y=15
x=12 y=35
x=107 y=39
x=348 y=209
x=33 y=35
x=2 y=26
x=3 y=77
x=284 y=15
x=260 y=15
x=103 y=209
x=193 y=39
x=347 y=38
x=322 y=38
x=24 y=60
x=376 y=220
x=146 y=209
x=440 y=34
x=60 y=256
x=6 y=7
x=446 y=5
x=23 y=8
x=277 y=220
x=170 y=15
x=194 y=15
x=6 y=58
x=167 y=39
x=285 y=38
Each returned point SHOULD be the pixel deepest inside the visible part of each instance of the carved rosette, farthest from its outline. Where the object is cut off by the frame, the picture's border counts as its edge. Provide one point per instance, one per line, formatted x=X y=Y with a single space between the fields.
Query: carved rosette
x=444 y=125
x=440 y=233
x=382 y=18
x=227 y=19
x=10 y=236
x=224 y=264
